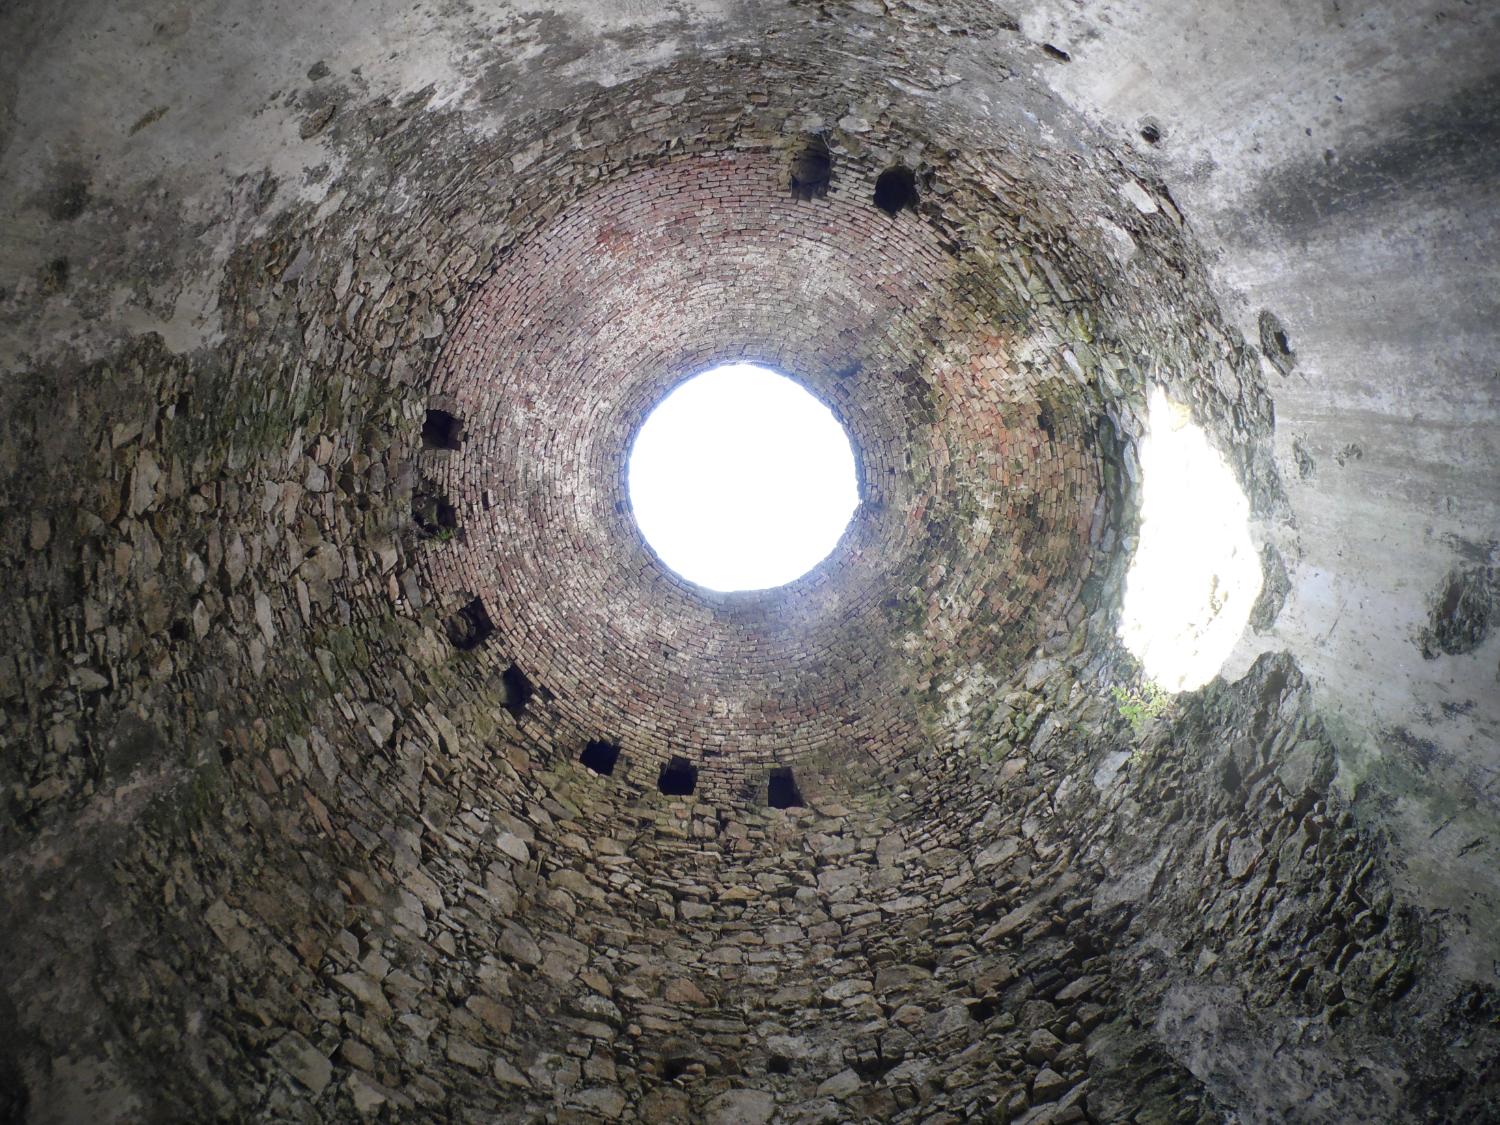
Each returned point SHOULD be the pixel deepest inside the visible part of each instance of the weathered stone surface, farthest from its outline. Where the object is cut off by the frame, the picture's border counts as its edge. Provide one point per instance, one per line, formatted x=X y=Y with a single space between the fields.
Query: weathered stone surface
x=467 y=1054
x=1306 y=768
x=1042 y=1047
x=1047 y=1085
x=606 y=1102
x=496 y=1016
x=680 y=991
x=842 y=1083
x=366 y=990
x=664 y=1107
x=507 y=1075
x=519 y=945
x=303 y=1061
x=367 y=1095
x=740 y=1107
x=997 y=853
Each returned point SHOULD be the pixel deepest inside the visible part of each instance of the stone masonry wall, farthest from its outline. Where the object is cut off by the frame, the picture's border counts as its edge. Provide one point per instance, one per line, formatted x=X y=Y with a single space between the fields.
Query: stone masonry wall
x=278 y=848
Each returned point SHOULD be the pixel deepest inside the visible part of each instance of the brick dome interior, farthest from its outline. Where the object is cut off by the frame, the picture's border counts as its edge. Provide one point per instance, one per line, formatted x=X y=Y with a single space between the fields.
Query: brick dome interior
x=705 y=259
x=362 y=762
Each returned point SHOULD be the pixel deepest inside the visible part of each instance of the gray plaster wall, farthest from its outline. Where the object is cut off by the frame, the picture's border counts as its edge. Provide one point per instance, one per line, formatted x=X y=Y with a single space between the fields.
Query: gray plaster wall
x=1339 y=164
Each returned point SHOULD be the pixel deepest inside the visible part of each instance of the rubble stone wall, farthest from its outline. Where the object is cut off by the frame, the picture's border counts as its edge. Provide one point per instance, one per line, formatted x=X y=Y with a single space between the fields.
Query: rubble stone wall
x=277 y=848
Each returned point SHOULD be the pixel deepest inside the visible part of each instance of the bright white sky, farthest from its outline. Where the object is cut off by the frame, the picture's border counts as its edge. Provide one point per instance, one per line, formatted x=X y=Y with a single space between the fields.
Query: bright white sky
x=1195 y=575
x=741 y=480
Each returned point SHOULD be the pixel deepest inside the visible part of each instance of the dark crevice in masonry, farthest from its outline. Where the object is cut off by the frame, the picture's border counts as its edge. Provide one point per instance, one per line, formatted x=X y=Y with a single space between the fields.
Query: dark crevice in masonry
x=812 y=170
x=600 y=756
x=1461 y=612
x=782 y=791
x=1044 y=420
x=678 y=777
x=470 y=627
x=441 y=430
x=676 y=1066
x=518 y=690
x=1275 y=586
x=53 y=278
x=1275 y=344
x=896 y=190
x=434 y=514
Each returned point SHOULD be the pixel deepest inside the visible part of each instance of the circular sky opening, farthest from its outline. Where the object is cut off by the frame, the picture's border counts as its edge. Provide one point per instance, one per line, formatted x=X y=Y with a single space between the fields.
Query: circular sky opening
x=742 y=480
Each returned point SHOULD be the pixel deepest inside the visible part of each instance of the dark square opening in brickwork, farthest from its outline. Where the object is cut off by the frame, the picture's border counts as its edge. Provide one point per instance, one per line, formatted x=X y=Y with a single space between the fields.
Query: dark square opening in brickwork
x=518 y=690
x=896 y=190
x=782 y=790
x=600 y=756
x=441 y=430
x=812 y=170
x=679 y=777
x=470 y=626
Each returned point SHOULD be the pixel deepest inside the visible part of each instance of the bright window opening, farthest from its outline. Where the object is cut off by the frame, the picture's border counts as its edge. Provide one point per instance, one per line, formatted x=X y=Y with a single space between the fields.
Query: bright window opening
x=1195 y=574
x=742 y=480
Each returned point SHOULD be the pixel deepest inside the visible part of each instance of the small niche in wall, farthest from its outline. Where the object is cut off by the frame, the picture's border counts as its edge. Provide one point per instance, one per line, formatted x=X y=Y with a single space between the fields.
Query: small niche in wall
x=1044 y=420
x=1275 y=344
x=678 y=778
x=434 y=516
x=812 y=170
x=441 y=430
x=782 y=791
x=896 y=190
x=470 y=627
x=675 y=1066
x=518 y=690
x=600 y=756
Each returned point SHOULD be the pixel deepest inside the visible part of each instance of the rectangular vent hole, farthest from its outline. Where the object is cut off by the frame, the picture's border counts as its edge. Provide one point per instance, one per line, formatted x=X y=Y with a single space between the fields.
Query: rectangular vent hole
x=783 y=791
x=441 y=430
x=518 y=690
x=679 y=777
x=600 y=756
x=470 y=627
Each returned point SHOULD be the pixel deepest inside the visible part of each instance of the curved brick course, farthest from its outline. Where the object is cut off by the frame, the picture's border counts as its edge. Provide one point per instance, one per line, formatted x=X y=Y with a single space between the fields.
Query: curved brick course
x=558 y=357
